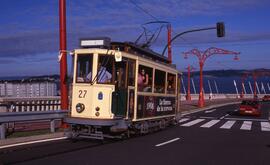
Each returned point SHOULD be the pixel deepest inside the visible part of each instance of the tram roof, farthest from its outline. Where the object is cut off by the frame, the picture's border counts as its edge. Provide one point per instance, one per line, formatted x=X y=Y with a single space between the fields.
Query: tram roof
x=139 y=51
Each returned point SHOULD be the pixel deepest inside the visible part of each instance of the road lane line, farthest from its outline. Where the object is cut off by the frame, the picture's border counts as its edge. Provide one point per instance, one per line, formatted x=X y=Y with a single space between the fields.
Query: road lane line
x=228 y=125
x=265 y=126
x=32 y=142
x=167 y=142
x=224 y=116
x=241 y=119
x=246 y=125
x=205 y=117
x=192 y=122
x=183 y=120
x=210 y=123
x=210 y=111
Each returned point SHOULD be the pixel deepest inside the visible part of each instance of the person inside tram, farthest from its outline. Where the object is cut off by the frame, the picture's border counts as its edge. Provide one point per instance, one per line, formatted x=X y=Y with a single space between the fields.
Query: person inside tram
x=170 y=84
x=143 y=80
x=104 y=76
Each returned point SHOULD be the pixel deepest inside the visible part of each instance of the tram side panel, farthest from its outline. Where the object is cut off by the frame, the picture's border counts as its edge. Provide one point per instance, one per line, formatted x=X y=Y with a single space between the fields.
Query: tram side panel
x=155 y=106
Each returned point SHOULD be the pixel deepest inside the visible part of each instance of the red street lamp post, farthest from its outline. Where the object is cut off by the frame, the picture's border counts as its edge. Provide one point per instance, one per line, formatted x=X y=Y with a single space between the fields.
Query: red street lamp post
x=254 y=75
x=202 y=56
x=244 y=76
x=189 y=68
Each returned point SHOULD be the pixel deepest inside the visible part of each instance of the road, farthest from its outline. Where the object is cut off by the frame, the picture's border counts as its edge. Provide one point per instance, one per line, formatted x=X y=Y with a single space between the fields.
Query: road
x=213 y=137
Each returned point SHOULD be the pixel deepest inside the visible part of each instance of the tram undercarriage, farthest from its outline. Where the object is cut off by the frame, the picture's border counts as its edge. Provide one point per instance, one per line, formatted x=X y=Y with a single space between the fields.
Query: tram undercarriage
x=115 y=129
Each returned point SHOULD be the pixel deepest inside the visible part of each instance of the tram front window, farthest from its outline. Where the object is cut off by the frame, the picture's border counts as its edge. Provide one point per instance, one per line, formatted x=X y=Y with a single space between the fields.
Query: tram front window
x=105 y=69
x=84 y=68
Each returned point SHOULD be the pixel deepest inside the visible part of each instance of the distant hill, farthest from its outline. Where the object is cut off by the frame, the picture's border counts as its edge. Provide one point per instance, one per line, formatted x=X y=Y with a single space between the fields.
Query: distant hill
x=230 y=73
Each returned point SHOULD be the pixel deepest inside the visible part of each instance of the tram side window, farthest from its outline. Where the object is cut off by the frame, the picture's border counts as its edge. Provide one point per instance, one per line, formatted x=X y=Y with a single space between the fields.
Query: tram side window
x=84 y=68
x=160 y=77
x=145 y=77
x=171 y=83
x=131 y=73
x=105 y=69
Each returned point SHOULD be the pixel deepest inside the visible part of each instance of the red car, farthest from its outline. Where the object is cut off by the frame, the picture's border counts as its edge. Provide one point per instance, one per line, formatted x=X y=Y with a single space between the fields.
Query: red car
x=266 y=98
x=250 y=107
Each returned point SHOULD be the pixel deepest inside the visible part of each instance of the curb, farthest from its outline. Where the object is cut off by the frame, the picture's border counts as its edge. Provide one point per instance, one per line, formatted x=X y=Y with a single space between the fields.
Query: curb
x=187 y=112
x=31 y=139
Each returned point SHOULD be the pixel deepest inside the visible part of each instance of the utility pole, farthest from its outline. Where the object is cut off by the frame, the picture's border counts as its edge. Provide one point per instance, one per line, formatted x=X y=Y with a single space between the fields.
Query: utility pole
x=169 y=28
x=63 y=55
x=202 y=57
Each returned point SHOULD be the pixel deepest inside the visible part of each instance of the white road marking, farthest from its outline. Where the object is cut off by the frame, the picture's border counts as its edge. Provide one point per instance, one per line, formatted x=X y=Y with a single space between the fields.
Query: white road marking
x=210 y=123
x=235 y=110
x=183 y=120
x=32 y=142
x=202 y=117
x=265 y=126
x=167 y=142
x=246 y=125
x=209 y=111
x=242 y=119
x=228 y=125
x=192 y=122
x=224 y=116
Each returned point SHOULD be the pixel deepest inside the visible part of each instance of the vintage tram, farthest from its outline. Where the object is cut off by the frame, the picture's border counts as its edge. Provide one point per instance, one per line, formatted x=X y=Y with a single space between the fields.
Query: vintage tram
x=120 y=88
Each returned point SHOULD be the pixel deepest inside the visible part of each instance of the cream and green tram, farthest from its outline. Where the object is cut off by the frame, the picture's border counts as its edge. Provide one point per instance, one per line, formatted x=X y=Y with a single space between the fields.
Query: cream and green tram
x=121 y=88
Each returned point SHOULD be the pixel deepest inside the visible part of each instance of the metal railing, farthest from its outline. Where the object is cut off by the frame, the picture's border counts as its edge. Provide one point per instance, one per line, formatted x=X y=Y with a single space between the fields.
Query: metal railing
x=30 y=116
x=8 y=104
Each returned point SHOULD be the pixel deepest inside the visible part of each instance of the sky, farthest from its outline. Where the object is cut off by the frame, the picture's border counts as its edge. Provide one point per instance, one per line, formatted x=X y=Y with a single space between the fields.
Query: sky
x=29 y=34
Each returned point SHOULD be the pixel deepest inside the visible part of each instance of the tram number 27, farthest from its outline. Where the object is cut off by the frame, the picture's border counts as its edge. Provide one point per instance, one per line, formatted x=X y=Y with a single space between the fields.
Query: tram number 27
x=82 y=93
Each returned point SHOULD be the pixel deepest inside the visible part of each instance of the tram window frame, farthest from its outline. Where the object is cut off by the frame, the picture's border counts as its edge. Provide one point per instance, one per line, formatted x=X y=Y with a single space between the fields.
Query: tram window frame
x=160 y=81
x=131 y=72
x=148 y=72
x=82 y=76
x=173 y=87
x=111 y=71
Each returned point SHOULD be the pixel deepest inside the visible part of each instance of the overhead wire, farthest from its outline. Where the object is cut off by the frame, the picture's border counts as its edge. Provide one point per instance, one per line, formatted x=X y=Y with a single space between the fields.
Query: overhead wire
x=156 y=19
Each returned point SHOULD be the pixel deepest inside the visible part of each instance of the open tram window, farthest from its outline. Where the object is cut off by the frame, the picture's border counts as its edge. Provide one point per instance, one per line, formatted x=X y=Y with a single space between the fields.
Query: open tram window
x=171 y=83
x=160 y=77
x=105 y=69
x=84 y=68
x=145 y=77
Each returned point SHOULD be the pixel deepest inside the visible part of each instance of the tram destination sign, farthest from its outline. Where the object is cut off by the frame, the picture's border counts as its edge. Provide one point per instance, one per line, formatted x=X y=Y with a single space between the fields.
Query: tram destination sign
x=95 y=42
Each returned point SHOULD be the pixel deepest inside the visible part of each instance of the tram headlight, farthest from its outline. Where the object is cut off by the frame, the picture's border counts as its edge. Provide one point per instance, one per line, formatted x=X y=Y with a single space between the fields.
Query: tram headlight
x=97 y=108
x=80 y=107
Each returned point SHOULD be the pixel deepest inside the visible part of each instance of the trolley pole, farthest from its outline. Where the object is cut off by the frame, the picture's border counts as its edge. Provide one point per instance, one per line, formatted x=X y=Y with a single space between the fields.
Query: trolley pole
x=63 y=60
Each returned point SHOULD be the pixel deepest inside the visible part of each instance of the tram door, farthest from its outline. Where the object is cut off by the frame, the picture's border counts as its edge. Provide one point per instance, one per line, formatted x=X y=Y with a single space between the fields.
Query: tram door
x=123 y=97
x=119 y=107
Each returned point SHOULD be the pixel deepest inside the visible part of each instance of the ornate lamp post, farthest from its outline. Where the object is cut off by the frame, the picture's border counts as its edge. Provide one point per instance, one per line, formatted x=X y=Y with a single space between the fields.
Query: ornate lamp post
x=202 y=56
x=190 y=69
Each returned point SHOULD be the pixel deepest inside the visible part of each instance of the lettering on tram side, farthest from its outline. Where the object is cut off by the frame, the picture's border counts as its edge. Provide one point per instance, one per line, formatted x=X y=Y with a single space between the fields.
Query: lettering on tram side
x=150 y=106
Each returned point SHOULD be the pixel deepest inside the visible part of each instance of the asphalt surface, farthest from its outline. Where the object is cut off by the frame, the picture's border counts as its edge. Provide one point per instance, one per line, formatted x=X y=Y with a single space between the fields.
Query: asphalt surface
x=186 y=143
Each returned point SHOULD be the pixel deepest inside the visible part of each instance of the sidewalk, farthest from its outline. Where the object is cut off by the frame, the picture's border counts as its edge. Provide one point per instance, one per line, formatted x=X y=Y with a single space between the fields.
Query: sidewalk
x=187 y=107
